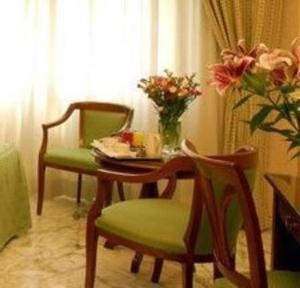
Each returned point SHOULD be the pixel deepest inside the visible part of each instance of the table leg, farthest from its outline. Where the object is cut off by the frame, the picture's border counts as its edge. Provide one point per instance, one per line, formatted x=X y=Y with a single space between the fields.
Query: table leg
x=149 y=190
x=158 y=264
x=136 y=262
x=108 y=198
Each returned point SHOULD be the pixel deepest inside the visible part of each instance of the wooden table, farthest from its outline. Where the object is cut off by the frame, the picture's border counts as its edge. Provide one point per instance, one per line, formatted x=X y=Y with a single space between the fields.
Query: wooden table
x=286 y=222
x=149 y=190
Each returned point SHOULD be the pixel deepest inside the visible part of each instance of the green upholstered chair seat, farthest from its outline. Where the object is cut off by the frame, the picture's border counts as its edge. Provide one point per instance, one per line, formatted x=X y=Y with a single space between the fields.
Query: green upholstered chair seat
x=161 y=224
x=276 y=279
x=156 y=223
x=71 y=157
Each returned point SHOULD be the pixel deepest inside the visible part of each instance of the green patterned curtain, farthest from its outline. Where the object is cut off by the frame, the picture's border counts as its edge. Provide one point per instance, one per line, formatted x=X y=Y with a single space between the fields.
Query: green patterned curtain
x=255 y=21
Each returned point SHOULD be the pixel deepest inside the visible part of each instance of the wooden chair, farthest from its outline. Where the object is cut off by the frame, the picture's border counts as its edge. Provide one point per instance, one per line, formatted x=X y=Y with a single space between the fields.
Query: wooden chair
x=235 y=219
x=159 y=227
x=236 y=192
x=96 y=120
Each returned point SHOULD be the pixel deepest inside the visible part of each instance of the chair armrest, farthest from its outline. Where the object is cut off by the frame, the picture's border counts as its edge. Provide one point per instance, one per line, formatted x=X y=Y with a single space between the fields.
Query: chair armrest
x=97 y=206
x=168 y=171
x=47 y=126
x=60 y=120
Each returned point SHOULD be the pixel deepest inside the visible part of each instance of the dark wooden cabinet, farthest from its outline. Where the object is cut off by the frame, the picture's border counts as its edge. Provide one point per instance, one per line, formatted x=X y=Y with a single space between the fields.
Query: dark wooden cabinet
x=286 y=222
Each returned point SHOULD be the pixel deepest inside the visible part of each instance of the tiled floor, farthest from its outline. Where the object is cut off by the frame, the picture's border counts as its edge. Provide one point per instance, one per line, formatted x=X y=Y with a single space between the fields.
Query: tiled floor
x=52 y=255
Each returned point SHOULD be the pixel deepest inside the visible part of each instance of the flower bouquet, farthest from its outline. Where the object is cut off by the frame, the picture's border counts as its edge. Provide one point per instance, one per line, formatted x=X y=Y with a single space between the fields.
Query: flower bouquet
x=271 y=74
x=171 y=96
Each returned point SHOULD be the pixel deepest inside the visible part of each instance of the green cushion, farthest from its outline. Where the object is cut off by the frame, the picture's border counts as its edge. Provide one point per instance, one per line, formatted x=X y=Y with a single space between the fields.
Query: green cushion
x=99 y=124
x=71 y=157
x=156 y=223
x=276 y=279
x=161 y=223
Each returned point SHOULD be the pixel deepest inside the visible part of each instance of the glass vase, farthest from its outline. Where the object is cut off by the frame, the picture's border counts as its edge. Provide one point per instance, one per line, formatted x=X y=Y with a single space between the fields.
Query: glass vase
x=170 y=135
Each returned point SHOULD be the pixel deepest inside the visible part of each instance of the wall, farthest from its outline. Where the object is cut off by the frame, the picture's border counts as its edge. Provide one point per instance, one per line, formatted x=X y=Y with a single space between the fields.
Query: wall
x=280 y=161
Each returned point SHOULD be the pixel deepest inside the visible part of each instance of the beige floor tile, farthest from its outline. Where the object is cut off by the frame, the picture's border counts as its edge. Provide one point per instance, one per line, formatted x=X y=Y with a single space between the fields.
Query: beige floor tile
x=52 y=255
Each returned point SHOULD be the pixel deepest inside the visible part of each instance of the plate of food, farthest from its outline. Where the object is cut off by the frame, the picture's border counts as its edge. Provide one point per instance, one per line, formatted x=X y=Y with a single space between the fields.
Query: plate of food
x=115 y=148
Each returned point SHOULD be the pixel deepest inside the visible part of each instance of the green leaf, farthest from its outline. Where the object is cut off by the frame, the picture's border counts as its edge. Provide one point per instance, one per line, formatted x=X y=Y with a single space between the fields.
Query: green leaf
x=242 y=101
x=296 y=155
x=287 y=89
x=294 y=139
x=259 y=117
x=268 y=127
x=285 y=110
x=293 y=145
x=286 y=132
x=287 y=107
x=257 y=82
x=279 y=117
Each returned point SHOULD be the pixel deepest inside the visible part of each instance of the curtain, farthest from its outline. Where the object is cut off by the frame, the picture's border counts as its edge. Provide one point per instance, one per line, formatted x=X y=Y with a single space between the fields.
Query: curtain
x=57 y=52
x=255 y=21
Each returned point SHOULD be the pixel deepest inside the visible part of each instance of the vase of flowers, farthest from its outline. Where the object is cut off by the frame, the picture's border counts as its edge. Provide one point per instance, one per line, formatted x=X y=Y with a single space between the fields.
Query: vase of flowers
x=273 y=75
x=170 y=134
x=171 y=96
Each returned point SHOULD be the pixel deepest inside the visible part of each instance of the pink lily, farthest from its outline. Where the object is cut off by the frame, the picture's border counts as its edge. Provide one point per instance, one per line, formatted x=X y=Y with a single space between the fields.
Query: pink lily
x=296 y=48
x=241 y=52
x=296 y=55
x=228 y=74
x=279 y=76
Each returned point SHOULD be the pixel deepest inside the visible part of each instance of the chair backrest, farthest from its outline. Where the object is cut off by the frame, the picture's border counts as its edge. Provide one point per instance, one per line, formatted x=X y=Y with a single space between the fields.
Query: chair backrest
x=203 y=239
x=230 y=173
x=99 y=120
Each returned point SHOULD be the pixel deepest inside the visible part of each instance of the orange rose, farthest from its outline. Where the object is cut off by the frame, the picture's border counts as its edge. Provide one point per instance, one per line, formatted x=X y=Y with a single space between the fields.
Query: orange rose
x=172 y=89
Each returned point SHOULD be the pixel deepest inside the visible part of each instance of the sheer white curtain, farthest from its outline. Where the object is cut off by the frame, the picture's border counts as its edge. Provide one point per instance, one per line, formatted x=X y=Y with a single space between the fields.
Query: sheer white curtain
x=54 y=52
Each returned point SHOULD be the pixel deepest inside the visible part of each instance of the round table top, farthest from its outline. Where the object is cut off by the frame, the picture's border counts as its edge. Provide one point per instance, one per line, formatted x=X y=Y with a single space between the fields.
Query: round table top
x=136 y=165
